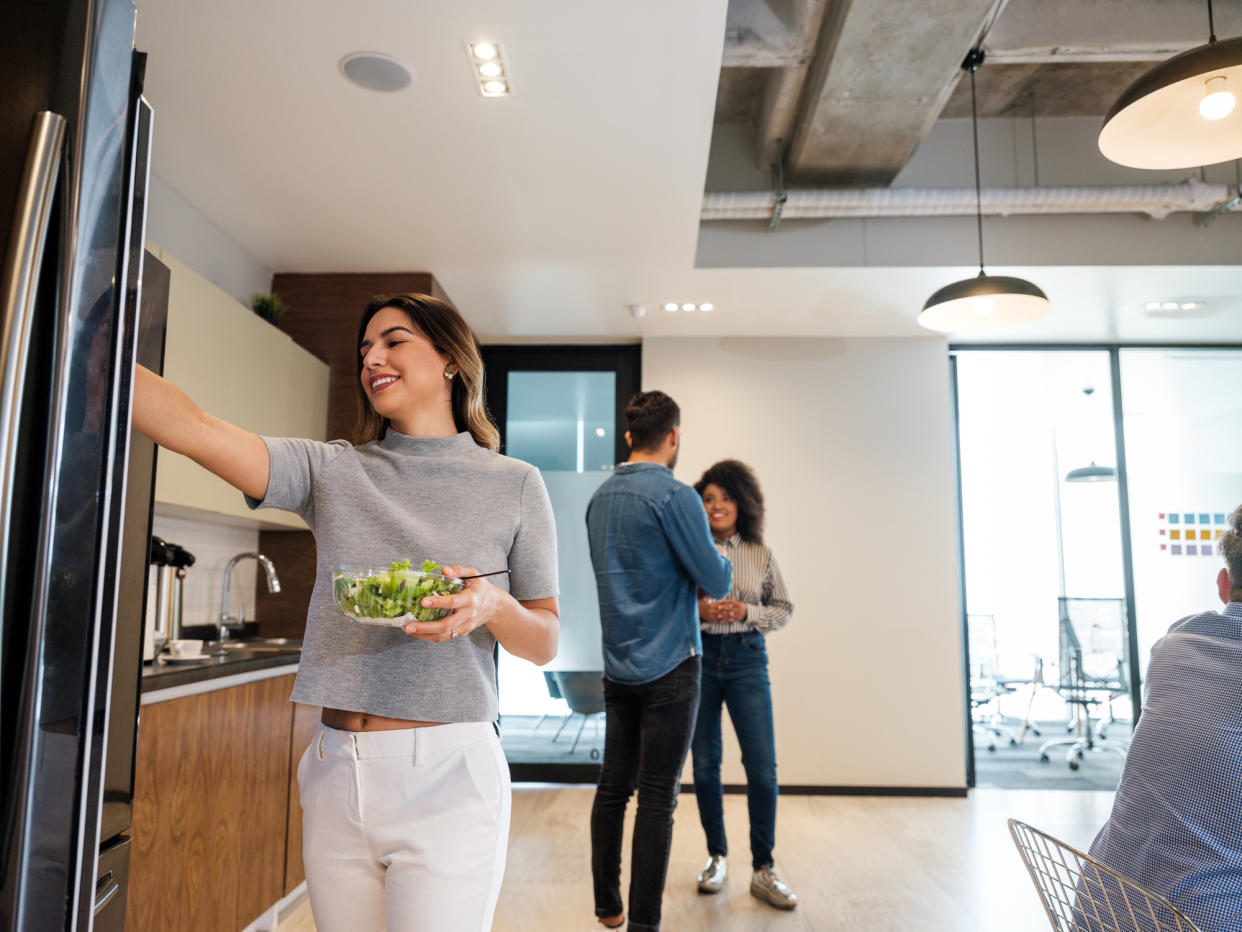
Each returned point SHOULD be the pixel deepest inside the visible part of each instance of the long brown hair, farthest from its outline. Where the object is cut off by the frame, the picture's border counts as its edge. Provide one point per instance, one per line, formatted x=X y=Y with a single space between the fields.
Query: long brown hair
x=449 y=333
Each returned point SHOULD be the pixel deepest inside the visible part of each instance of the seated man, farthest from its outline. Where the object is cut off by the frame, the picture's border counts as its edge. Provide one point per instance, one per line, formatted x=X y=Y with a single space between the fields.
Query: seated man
x=1176 y=824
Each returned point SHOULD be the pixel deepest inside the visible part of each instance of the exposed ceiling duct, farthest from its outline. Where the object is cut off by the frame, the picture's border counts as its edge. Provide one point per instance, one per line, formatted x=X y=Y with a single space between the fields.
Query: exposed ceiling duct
x=1156 y=201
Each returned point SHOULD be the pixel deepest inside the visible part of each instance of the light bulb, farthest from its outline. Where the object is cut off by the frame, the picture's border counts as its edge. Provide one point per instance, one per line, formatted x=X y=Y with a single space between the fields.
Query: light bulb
x=707 y=307
x=1169 y=306
x=496 y=87
x=1190 y=305
x=670 y=307
x=984 y=305
x=599 y=432
x=490 y=69
x=1218 y=100
x=687 y=307
x=1152 y=306
x=484 y=51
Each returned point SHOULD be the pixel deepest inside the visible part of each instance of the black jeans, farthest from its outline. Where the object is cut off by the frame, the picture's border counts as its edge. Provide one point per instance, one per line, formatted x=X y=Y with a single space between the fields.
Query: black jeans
x=647 y=735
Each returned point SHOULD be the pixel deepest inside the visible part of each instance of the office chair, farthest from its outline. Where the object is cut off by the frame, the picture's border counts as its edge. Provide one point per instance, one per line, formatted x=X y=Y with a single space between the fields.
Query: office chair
x=1079 y=894
x=554 y=691
x=584 y=691
x=1090 y=677
x=986 y=687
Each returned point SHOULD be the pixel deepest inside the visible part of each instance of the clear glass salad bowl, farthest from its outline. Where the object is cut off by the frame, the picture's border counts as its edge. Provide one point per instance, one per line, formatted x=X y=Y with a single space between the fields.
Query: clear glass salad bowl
x=392 y=595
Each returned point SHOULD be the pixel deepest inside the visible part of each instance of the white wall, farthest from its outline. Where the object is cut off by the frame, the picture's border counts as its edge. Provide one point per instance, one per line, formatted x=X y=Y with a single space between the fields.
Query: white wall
x=181 y=228
x=852 y=440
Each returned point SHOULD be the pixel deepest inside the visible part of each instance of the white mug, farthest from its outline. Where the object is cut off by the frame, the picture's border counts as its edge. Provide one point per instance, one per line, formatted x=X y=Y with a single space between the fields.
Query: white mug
x=185 y=649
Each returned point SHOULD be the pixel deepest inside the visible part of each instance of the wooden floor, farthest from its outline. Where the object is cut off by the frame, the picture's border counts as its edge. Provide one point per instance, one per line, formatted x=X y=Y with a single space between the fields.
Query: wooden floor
x=857 y=863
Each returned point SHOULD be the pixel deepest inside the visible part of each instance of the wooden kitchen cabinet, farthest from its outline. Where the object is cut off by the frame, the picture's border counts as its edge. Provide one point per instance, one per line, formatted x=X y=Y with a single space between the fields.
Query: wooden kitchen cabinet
x=211 y=805
x=305 y=721
x=238 y=367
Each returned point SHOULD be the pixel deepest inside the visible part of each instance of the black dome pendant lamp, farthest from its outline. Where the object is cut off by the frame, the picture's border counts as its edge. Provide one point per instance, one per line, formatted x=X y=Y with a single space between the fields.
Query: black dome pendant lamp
x=985 y=302
x=1182 y=113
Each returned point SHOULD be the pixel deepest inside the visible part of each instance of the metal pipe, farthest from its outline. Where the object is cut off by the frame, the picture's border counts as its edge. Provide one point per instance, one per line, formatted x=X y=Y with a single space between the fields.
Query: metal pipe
x=1155 y=201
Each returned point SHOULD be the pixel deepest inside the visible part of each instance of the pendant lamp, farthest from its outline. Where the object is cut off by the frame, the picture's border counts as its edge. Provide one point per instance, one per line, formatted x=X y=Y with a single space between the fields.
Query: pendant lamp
x=985 y=302
x=1092 y=473
x=1182 y=113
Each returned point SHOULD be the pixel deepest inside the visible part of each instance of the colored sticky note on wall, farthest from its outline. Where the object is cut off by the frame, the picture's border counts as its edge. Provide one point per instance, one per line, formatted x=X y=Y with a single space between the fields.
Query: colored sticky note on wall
x=1175 y=534
x=1203 y=519
x=1205 y=534
x=1175 y=549
x=1173 y=519
x=1218 y=518
x=1188 y=517
x=1192 y=550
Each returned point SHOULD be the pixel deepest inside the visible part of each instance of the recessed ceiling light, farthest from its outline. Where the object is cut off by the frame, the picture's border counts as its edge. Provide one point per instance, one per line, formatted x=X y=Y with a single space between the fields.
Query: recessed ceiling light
x=687 y=307
x=599 y=432
x=670 y=307
x=1169 y=306
x=707 y=307
x=492 y=75
x=1190 y=305
x=375 y=71
x=1152 y=306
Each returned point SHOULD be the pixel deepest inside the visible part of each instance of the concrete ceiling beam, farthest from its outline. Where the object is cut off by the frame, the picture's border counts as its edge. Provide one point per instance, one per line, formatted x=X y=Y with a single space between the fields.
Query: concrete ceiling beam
x=771 y=33
x=882 y=73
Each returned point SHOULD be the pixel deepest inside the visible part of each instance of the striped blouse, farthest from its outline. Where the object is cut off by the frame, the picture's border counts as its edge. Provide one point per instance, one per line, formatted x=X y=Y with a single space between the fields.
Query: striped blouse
x=758 y=583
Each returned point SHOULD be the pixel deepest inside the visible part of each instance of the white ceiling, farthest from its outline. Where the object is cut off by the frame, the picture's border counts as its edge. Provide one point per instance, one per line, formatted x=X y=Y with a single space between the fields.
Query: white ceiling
x=548 y=213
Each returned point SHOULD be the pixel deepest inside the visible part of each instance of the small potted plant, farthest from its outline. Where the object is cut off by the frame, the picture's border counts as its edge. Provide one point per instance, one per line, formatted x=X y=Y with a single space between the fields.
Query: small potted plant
x=268 y=306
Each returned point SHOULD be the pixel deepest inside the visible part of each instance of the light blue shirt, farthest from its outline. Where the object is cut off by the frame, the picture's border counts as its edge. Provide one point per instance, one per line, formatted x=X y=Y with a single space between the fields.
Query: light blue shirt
x=1176 y=824
x=652 y=551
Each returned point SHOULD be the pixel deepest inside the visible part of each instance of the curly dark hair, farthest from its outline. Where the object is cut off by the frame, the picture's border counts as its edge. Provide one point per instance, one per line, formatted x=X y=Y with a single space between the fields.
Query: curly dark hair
x=1231 y=549
x=739 y=482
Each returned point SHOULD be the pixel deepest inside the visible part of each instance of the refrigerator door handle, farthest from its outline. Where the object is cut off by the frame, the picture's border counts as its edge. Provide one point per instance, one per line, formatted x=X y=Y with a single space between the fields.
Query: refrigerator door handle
x=105 y=890
x=18 y=289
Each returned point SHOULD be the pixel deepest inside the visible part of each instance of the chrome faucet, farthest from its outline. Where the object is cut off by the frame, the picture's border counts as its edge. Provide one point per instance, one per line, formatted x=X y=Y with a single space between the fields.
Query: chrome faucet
x=228 y=622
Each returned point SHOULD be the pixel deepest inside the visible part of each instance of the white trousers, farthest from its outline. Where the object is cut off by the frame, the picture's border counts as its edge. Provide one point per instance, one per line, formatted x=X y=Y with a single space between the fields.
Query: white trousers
x=404 y=830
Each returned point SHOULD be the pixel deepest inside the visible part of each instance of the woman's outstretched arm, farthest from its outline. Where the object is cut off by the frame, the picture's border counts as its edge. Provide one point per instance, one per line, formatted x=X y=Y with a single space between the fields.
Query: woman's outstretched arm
x=168 y=416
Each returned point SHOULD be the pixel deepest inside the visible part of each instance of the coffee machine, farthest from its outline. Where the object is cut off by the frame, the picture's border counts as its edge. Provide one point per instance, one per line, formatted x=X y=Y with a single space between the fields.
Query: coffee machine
x=163 y=621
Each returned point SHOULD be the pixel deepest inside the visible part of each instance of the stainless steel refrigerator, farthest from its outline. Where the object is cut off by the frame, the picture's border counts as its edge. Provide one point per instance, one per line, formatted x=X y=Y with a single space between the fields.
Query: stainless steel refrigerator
x=75 y=486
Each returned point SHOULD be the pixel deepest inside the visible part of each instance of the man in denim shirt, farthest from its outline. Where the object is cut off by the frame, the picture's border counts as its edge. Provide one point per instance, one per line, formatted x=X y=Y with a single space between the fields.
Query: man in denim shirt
x=652 y=551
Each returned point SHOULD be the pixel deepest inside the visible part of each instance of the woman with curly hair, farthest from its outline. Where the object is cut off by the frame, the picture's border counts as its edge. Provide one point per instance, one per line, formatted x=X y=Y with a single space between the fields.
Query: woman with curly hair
x=735 y=673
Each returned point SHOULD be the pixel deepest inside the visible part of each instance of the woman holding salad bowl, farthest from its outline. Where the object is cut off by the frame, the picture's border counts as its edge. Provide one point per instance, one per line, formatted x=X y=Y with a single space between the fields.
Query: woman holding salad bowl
x=404 y=788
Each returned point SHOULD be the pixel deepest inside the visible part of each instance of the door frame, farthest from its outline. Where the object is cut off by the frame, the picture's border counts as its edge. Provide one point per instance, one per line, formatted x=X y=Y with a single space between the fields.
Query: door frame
x=625 y=361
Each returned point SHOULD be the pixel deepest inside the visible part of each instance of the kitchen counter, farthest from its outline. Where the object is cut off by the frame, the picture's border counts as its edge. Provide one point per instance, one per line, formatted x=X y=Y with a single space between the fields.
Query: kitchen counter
x=222 y=668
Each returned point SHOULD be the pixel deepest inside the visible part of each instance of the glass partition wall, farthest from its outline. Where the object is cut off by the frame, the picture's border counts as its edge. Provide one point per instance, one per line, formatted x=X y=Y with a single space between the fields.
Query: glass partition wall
x=1044 y=568
x=1182 y=413
x=1095 y=482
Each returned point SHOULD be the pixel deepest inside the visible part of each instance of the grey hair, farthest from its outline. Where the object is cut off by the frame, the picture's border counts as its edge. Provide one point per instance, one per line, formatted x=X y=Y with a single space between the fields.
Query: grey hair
x=1231 y=549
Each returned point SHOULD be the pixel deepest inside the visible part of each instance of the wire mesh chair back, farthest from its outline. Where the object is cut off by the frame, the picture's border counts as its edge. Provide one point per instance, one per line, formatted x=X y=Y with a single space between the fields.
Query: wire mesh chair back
x=984 y=656
x=1079 y=894
x=1093 y=649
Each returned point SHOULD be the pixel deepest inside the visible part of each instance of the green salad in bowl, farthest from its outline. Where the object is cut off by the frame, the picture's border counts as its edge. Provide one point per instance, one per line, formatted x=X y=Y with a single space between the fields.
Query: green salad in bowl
x=391 y=596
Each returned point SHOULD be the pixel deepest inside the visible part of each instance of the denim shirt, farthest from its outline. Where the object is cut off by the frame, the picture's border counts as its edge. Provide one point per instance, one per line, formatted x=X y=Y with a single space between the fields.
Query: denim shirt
x=652 y=551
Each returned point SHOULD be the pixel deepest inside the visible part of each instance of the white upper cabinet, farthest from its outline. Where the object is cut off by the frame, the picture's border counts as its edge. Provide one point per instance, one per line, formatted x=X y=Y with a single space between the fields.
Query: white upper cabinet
x=242 y=369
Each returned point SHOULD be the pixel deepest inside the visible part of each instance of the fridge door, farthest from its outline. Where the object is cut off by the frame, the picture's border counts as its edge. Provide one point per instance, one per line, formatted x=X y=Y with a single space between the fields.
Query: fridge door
x=60 y=581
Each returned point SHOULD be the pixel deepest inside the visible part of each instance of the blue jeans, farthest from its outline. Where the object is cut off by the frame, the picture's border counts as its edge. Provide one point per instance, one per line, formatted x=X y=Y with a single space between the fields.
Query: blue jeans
x=646 y=737
x=735 y=673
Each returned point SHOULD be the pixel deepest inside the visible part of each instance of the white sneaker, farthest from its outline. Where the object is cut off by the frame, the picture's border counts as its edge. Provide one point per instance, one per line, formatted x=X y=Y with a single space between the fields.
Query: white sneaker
x=712 y=877
x=766 y=886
